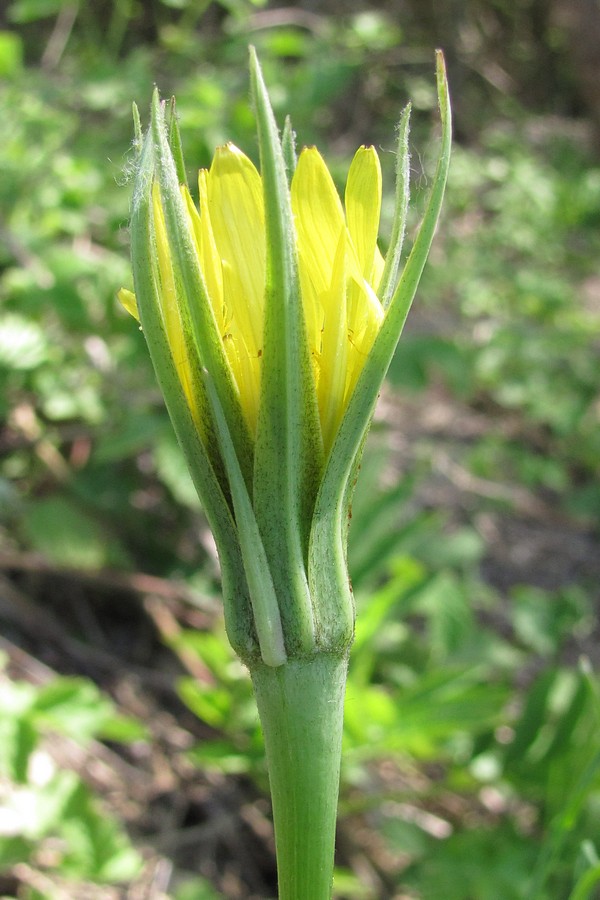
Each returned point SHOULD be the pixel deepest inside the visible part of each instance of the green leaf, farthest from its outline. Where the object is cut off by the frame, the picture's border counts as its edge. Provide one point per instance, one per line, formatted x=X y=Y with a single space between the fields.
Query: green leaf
x=209 y=647
x=18 y=740
x=14 y=850
x=585 y=885
x=22 y=11
x=51 y=802
x=577 y=793
x=195 y=889
x=23 y=345
x=96 y=846
x=67 y=536
x=446 y=603
x=532 y=718
x=212 y=705
x=172 y=470
x=577 y=708
x=139 y=431
x=590 y=877
x=220 y=756
x=421 y=718
x=11 y=54
x=72 y=706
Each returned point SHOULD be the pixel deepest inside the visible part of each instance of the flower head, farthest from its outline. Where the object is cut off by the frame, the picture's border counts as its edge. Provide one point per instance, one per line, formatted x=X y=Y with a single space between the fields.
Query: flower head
x=339 y=263
x=271 y=318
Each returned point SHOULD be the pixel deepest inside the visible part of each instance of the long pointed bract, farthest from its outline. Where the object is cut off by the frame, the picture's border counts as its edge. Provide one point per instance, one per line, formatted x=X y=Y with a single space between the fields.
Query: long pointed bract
x=327 y=564
x=287 y=453
x=267 y=620
x=393 y=256
x=238 y=611
x=194 y=303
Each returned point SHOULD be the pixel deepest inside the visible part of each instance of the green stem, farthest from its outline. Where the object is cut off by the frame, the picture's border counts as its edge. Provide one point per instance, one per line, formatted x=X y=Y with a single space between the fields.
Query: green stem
x=301 y=706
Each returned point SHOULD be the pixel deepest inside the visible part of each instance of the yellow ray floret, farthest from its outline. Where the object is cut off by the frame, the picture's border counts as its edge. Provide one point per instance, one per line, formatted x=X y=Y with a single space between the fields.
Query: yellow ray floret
x=340 y=267
x=350 y=304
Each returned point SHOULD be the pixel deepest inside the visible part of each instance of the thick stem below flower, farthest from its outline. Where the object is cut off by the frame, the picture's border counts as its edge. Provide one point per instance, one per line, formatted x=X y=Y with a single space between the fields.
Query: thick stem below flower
x=301 y=706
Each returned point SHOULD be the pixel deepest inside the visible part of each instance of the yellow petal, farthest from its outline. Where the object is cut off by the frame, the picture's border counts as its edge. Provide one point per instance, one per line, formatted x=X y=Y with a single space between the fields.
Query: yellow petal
x=363 y=210
x=334 y=351
x=318 y=216
x=378 y=267
x=246 y=375
x=337 y=262
x=193 y=216
x=168 y=299
x=243 y=357
x=362 y=328
x=313 y=310
x=210 y=265
x=168 y=294
x=128 y=302
x=209 y=256
x=363 y=207
x=235 y=201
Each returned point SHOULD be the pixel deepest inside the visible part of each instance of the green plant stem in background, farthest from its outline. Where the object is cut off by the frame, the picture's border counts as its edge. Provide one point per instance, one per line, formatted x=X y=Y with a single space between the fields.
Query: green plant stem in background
x=301 y=707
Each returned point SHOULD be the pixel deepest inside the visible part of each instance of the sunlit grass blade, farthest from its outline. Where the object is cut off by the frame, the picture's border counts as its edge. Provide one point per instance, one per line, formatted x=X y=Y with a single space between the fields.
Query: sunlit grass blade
x=590 y=879
x=562 y=828
x=582 y=780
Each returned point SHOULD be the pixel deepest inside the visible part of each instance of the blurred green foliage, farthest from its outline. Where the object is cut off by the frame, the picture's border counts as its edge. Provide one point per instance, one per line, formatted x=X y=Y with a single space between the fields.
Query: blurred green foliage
x=430 y=685
x=474 y=691
x=48 y=811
